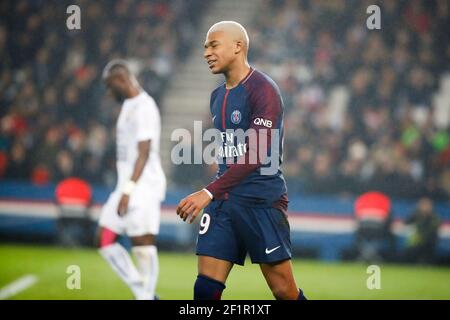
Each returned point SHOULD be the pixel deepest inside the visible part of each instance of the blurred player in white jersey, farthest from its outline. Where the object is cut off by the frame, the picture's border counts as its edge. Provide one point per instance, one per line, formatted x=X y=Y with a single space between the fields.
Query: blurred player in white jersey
x=134 y=206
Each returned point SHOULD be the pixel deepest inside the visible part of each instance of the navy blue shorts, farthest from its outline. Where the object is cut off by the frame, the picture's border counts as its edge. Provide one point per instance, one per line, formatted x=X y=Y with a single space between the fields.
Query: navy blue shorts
x=228 y=230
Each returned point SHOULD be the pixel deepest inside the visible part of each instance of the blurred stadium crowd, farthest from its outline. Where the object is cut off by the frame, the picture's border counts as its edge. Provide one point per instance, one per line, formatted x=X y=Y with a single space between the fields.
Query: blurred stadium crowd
x=55 y=119
x=359 y=104
x=360 y=111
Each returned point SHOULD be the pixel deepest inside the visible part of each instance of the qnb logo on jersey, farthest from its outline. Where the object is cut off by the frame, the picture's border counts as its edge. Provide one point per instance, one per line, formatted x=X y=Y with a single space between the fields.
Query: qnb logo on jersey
x=236 y=116
x=263 y=122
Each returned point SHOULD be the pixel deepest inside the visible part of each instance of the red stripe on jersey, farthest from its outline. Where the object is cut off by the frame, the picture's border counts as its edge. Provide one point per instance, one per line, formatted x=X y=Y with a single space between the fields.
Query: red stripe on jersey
x=224 y=107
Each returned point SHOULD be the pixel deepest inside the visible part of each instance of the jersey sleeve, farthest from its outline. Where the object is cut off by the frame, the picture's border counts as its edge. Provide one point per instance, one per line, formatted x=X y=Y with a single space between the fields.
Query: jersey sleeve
x=265 y=103
x=147 y=120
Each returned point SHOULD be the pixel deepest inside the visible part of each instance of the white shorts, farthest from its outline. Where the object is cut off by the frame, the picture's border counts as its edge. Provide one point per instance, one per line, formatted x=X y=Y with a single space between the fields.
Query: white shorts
x=143 y=215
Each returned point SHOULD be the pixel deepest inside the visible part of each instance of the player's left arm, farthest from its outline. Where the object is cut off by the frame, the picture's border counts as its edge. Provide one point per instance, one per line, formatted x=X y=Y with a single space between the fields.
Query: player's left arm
x=266 y=105
x=139 y=165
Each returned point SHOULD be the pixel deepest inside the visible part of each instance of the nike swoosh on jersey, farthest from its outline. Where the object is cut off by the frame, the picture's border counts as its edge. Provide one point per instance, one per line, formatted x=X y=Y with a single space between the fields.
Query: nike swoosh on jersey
x=271 y=250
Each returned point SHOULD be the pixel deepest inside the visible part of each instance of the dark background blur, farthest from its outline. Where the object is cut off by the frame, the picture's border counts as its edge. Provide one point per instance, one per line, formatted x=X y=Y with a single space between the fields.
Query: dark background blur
x=362 y=107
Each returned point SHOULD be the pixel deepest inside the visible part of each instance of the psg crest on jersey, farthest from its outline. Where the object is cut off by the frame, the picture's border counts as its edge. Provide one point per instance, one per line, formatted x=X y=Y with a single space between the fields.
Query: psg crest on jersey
x=236 y=117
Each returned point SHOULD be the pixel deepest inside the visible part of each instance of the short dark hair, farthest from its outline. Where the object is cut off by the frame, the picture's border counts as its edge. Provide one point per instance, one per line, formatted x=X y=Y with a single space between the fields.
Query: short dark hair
x=115 y=65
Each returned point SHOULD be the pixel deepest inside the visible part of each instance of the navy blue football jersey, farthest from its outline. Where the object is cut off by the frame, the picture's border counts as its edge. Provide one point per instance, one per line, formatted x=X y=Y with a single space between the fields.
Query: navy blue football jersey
x=255 y=106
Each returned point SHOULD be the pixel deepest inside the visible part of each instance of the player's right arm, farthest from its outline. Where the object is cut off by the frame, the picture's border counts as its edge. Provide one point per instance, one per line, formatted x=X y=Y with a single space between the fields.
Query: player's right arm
x=141 y=161
x=147 y=122
x=194 y=203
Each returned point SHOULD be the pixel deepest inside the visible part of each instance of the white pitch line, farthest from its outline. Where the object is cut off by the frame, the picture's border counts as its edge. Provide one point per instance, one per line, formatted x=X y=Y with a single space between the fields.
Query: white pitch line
x=17 y=286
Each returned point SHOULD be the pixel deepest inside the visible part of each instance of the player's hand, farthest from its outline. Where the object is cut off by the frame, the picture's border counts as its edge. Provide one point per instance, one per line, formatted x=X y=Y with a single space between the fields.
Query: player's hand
x=192 y=205
x=123 y=205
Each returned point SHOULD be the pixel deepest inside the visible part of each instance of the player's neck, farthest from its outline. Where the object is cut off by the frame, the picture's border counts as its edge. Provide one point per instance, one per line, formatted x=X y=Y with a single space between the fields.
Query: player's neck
x=133 y=92
x=235 y=75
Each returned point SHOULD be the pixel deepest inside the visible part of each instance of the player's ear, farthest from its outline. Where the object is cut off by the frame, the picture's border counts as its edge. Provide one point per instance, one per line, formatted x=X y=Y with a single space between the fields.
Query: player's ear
x=238 y=46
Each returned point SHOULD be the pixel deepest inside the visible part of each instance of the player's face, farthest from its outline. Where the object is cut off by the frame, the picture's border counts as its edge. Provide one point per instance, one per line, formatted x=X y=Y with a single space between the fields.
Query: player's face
x=219 y=51
x=117 y=87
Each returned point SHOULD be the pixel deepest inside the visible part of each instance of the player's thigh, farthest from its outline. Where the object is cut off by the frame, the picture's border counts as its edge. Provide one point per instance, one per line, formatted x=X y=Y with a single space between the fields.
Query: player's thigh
x=214 y=268
x=217 y=237
x=265 y=231
x=109 y=218
x=143 y=216
x=280 y=278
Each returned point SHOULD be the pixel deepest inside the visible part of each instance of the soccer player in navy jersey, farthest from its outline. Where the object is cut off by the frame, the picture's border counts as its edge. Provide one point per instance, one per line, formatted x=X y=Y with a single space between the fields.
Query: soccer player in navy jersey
x=245 y=207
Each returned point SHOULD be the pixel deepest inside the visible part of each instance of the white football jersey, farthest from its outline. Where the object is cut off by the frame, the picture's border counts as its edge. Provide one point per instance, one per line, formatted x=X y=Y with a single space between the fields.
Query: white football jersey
x=139 y=120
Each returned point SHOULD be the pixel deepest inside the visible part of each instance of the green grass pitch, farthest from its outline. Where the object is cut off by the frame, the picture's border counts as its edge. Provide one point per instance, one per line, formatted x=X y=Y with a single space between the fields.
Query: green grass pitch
x=320 y=280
